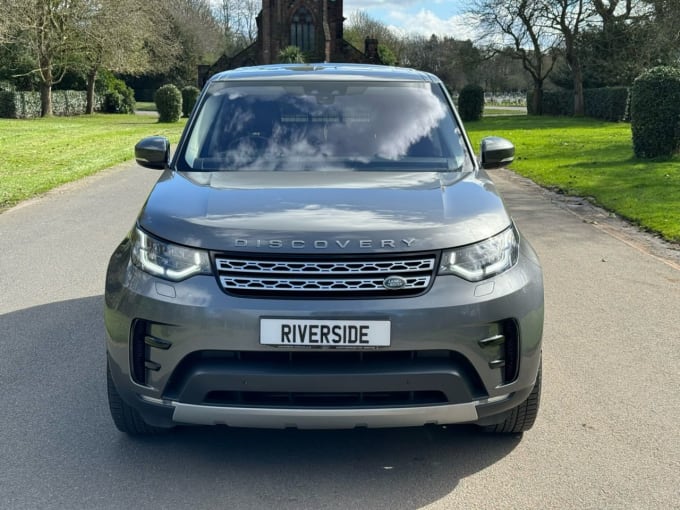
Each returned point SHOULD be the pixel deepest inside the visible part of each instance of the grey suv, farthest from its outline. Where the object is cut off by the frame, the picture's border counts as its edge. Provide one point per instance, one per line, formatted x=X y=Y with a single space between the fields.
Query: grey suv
x=324 y=250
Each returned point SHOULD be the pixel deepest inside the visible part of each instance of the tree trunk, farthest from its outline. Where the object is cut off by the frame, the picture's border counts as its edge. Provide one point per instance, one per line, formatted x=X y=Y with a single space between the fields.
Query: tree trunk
x=91 y=79
x=579 y=101
x=537 y=99
x=46 y=87
x=45 y=99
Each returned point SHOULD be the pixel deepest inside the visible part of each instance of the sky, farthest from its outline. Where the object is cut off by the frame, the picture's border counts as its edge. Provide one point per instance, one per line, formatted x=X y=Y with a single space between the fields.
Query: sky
x=441 y=17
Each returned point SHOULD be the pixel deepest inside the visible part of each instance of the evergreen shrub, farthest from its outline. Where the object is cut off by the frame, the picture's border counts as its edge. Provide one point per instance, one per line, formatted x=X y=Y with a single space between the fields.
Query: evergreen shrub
x=168 y=101
x=189 y=97
x=471 y=103
x=113 y=103
x=655 y=112
x=118 y=97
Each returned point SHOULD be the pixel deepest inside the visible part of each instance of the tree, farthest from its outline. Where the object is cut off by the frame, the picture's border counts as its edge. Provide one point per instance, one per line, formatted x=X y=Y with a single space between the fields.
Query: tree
x=664 y=37
x=361 y=26
x=237 y=18
x=568 y=17
x=198 y=34
x=516 y=28
x=613 y=46
x=48 y=29
x=141 y=43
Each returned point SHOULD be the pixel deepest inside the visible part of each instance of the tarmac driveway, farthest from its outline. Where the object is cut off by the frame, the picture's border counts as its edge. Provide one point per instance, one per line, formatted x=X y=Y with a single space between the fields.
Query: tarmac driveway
x=607 y=436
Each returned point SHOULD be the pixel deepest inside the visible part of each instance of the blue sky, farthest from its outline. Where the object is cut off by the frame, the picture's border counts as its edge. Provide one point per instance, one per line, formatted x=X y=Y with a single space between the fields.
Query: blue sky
x=441 y=17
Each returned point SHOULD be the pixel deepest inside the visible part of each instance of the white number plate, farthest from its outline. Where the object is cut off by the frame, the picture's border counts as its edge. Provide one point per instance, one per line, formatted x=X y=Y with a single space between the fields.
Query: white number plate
x=324 y=333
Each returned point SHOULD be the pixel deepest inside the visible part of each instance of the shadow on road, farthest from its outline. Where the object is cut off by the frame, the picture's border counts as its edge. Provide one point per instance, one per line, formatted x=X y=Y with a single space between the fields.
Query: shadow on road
x=57 y=430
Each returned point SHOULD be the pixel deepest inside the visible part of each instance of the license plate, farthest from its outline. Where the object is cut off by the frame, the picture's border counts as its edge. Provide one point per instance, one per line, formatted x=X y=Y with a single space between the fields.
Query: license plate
x=324 y=333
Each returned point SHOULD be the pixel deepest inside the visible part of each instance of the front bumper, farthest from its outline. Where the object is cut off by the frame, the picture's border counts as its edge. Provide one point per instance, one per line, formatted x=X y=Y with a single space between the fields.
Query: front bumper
x=198 y=342
x=280 y=418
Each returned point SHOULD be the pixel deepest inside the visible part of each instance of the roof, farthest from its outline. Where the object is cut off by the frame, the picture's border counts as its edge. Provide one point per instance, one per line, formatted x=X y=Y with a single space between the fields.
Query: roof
x=324 y=71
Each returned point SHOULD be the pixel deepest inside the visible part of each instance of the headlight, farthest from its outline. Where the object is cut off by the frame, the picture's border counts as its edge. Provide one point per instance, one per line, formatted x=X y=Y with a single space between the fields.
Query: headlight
x=166 y=260
x=482 y=260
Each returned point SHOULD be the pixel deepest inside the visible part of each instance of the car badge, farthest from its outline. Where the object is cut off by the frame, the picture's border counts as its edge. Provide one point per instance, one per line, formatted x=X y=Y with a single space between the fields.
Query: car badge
x=394 y=282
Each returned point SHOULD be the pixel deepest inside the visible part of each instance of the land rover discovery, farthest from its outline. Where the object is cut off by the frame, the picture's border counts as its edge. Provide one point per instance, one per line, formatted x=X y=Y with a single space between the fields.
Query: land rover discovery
x=324 y=250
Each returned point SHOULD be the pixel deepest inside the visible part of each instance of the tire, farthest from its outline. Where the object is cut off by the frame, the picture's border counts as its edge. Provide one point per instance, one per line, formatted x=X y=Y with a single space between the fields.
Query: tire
x=522 y=417
x=126 y=418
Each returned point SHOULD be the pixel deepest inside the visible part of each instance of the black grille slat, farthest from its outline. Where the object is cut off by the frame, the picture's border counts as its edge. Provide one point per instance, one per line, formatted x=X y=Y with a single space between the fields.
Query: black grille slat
x=332 y=276
x=325 y=399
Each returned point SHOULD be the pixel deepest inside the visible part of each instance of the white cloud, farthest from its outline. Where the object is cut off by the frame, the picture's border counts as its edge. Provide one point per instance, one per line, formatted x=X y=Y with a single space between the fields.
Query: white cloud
x=425 y=22
x=440 y=17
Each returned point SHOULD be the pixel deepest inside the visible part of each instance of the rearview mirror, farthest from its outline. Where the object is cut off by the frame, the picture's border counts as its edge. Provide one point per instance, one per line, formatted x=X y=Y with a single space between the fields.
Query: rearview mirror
x=153 y=152
x=496 y=152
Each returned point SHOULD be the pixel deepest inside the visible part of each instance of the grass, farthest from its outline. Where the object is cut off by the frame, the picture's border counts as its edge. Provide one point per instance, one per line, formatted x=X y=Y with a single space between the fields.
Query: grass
x=41 y=154
x=594 y=159
x=145 y=106
x=493 y=111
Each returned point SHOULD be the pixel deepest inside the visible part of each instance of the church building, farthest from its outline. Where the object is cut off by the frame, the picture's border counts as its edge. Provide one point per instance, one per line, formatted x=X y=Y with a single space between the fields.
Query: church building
x=314 y=26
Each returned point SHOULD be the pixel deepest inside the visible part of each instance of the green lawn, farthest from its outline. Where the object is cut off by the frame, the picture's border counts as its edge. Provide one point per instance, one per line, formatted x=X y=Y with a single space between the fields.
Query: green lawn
x=494 y=111
x=145 y=106
x=40 y=154
x=594 y=159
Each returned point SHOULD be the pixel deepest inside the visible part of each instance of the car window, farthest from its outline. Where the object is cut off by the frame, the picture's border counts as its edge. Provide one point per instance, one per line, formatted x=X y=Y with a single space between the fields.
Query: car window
x=324 y=126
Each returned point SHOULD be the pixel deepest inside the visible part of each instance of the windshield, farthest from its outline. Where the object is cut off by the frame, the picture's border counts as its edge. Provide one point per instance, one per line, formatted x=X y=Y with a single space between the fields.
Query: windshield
x=334 y=125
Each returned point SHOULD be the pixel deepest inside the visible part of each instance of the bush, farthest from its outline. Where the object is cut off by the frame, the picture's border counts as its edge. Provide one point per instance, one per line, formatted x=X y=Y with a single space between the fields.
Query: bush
x=291 y=55
x=189 y=97
x=107 y=84
x=113 y=103
x=471 y=103
x=168 y=101
x=655 y=113
x=115 y=88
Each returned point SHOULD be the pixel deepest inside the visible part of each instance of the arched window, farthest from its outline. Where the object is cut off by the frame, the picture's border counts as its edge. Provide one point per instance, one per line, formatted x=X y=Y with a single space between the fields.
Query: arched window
x=302 y=30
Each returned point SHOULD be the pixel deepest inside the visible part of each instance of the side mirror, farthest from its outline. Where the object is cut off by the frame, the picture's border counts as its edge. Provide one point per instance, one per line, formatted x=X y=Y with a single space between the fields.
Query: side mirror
x=496 y=152
x=153 y=152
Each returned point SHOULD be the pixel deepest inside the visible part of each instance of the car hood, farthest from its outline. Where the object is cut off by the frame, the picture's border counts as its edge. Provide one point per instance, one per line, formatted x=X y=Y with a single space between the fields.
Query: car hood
x=323 y=212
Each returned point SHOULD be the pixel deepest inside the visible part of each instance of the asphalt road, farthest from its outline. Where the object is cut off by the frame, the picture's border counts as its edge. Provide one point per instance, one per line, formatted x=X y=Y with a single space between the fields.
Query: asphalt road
x=608 y=434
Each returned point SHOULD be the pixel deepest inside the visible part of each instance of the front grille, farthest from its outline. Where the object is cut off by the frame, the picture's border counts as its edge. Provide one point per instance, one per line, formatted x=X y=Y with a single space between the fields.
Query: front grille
x=359 y=276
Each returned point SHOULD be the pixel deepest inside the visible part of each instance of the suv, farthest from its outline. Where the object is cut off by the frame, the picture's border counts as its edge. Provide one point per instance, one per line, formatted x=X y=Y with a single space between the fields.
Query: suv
x=323 y=250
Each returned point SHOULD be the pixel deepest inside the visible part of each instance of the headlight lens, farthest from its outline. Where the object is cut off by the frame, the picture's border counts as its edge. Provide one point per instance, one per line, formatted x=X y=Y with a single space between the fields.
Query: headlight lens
x=166 y=260
x=482 y=260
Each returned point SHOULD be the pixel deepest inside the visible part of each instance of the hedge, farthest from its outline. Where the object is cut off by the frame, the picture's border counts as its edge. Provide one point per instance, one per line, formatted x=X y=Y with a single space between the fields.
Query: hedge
x=25 y=105
x=607 y=103
x=555 y=102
